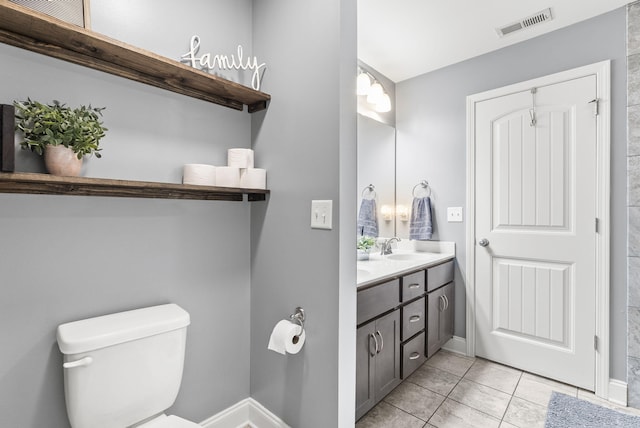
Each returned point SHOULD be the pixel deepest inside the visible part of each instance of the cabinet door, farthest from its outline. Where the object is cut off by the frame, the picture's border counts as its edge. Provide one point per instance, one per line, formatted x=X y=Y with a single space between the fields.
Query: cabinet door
x=447 y=315
x=387 y=360
x=365 y=359
x=435 y=305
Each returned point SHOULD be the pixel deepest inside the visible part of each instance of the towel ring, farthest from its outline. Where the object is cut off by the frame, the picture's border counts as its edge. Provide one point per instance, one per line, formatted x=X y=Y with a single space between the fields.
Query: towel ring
x=424 y=184
x=371 y=188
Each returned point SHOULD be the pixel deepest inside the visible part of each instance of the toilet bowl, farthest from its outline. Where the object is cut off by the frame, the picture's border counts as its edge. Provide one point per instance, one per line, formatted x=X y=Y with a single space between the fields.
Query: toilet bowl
x=125 y=369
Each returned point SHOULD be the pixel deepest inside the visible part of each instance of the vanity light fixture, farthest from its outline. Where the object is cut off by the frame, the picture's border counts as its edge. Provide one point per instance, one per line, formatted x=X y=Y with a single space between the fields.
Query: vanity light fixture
x=363 y=83
x=384 y=104
x=386 y=211
x=367 y=85
x=375 y=93
x=402 y=211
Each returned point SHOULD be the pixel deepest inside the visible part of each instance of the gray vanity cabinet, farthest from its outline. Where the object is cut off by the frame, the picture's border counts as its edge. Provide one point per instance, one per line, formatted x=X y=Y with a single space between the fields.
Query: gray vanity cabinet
x=440 y=313
x=377 y=360
x=401 y=322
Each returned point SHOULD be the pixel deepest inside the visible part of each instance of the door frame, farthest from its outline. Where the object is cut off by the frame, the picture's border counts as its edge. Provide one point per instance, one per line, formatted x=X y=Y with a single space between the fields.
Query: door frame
x=602 y=71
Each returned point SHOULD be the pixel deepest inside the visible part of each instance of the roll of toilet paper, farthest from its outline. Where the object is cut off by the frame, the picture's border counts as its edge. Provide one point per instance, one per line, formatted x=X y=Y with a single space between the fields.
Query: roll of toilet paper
x=227 y=176
x=253 y=178
x=286 y=338
x=200 y=174
x=240 y=158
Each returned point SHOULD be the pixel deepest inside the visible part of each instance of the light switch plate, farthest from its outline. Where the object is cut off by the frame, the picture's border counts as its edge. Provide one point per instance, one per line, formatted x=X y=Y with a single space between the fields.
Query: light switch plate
x=321 y=214
x=454 y=214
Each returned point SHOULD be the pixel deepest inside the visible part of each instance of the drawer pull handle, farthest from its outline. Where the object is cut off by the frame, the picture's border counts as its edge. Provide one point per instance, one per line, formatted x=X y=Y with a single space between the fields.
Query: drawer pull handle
x=375 y=351
x=381 y=341
x=414 y=356
x=415 y=285
x=446 y=301
x=441 y=303
x=414 y=318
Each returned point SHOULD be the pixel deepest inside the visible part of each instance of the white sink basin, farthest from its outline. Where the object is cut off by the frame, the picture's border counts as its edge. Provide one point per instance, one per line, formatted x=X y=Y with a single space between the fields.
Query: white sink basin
x=412 y=256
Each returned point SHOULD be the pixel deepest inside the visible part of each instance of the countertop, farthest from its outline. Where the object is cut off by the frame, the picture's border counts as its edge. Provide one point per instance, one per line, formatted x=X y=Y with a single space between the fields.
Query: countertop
x=409 y=256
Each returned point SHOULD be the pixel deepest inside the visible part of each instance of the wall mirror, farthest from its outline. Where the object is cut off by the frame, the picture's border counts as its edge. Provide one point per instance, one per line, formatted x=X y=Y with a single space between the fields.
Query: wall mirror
x=377 y=167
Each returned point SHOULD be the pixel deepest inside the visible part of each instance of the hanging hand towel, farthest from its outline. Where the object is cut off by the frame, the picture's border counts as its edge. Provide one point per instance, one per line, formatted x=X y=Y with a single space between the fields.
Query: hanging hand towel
x=367 y=219
x=420 y=226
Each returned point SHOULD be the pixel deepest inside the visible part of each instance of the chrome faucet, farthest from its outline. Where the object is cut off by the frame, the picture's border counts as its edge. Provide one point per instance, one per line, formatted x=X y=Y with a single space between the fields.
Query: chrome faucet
x=386 y=246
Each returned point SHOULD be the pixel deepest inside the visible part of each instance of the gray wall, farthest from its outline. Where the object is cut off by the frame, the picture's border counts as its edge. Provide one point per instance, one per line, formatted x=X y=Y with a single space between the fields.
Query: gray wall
x=67 y=258
x=306 y=140
x=431 y=138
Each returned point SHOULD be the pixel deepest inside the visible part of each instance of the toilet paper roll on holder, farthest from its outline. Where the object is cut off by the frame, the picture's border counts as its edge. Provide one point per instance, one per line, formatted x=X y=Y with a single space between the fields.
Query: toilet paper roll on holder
x=299 y=317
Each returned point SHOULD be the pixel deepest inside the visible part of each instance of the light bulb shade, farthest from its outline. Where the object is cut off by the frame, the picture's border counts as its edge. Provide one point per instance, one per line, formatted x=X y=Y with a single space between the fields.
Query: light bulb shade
x=375 y=93
x=402 y=211
x=386 y=212
x=363 y=84
x=384 y=104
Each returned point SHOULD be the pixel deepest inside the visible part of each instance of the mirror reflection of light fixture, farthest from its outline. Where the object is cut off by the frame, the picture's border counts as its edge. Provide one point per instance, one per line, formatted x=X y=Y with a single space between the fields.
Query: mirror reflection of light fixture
x=386 y=212
x=367 y=85
x=402 y=211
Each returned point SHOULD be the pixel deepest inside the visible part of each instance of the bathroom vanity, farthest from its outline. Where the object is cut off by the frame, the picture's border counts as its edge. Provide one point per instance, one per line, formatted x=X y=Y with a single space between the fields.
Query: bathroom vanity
x=405 y=314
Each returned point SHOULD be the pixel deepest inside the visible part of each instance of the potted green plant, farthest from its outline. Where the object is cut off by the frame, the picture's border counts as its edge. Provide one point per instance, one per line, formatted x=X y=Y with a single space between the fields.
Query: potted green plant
x=363 y=246
x=62 y=134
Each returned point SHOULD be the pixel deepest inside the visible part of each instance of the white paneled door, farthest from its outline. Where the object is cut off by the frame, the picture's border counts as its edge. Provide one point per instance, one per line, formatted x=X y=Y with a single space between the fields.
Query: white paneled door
x=536 y=230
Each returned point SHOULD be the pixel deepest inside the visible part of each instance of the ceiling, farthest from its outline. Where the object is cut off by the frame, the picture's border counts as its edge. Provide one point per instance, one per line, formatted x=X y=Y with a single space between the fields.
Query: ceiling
x=406 y=38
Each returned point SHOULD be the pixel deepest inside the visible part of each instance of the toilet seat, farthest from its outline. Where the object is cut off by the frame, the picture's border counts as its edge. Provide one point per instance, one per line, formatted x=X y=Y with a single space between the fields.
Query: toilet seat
x=172 y=421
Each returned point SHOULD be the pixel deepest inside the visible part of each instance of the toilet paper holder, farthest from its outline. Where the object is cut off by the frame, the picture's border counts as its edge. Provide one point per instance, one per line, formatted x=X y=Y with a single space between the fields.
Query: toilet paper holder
x=299 y=317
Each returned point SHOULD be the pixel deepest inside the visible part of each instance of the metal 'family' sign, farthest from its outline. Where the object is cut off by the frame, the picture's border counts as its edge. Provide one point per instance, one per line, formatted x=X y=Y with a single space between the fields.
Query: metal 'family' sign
x=224 y=62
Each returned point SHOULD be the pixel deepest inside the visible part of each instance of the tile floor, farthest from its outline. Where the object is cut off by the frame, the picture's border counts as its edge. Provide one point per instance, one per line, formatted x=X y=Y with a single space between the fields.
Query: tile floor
x=451 y=390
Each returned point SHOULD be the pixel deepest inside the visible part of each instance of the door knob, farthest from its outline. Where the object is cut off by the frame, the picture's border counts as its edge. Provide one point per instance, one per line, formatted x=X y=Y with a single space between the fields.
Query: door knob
x=483 y=242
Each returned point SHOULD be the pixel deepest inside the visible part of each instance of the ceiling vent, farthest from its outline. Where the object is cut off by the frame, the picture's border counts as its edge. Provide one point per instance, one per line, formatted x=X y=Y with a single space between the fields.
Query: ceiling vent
x=529 y=21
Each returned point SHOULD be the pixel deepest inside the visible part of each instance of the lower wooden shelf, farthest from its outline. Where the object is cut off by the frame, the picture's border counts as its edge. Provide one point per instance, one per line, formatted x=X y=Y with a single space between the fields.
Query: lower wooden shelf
x=45 y=184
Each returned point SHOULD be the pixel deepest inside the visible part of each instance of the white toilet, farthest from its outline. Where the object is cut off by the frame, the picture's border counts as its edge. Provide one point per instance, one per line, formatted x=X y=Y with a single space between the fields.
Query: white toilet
x=125 y=369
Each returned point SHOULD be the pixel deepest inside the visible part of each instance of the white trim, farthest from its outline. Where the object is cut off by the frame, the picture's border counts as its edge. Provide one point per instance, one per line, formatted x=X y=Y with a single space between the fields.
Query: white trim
x=457 y=345
x=243 y=414
x=603 y=77
x=618 y=392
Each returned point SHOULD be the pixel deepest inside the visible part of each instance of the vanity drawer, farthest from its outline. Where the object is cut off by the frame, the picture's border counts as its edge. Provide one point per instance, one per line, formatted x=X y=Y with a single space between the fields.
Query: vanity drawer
x=413 y=285
x=413 y=318
x=413 y=355
x=377 y=300
x=440 y=275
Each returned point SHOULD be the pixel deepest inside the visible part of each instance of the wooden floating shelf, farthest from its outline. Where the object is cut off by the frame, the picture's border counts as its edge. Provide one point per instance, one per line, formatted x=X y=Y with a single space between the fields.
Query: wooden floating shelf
x=37 y=32
x=45 y=184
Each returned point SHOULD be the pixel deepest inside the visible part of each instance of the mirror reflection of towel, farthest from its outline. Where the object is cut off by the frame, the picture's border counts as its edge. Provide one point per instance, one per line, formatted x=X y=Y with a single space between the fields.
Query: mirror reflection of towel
x=420 y=226
x=367 y=218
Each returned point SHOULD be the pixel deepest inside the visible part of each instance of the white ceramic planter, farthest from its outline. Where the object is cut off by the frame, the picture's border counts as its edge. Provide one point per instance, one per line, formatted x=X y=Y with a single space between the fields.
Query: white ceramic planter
x=61 y=160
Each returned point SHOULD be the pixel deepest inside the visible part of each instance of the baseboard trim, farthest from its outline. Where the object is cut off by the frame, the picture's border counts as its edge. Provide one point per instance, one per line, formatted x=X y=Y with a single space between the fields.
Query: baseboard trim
x=247 y=413
x=457 y=345
x=618 y=392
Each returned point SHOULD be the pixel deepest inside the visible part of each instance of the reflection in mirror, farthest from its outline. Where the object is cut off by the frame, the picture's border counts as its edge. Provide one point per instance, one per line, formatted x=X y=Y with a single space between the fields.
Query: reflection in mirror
x=376 y=166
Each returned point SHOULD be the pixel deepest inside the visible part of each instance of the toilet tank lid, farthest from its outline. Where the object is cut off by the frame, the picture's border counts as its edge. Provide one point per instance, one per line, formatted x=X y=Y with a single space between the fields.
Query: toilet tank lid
x=99 y=332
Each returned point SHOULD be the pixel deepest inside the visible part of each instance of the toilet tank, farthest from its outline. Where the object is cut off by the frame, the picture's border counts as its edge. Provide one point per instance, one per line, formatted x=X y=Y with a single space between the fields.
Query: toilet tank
x=123 y=368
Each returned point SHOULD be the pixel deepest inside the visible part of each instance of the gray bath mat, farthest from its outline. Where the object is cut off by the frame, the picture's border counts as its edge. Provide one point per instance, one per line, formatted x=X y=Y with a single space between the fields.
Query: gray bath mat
x=566 y=412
